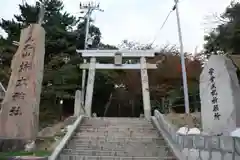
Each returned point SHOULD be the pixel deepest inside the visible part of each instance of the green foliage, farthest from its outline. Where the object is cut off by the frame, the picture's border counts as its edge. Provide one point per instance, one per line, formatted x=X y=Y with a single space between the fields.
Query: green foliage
x=62 y=76
x=176 y=98
x=10 y=155
x=225 y=38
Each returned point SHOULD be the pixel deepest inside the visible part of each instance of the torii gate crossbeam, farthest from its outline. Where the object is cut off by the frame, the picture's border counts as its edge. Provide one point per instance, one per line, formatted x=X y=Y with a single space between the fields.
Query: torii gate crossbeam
x=117 y=55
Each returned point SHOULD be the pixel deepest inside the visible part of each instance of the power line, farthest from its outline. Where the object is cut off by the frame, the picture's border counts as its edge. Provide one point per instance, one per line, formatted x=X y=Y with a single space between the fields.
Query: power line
x=164 y=22
x=155 y=37
x=90 y=7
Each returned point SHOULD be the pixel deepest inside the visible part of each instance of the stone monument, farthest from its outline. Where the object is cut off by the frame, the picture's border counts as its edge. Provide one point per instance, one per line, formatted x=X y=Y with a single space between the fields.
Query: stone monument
x=220 y=96
x=78 y=108
x=19 y=113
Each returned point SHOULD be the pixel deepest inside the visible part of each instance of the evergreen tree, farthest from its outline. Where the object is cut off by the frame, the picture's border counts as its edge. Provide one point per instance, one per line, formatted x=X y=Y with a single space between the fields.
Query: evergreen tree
x=226 y=36
x=62 y=76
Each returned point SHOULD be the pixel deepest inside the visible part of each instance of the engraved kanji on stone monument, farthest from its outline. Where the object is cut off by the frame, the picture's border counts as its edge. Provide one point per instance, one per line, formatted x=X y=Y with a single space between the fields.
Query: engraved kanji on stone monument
x=18 y=95
x=15 y=111
x=25 y=66
x=22 y=81
x=20 y=107
x=219 y=93
x=28 y=49
x=213 y=91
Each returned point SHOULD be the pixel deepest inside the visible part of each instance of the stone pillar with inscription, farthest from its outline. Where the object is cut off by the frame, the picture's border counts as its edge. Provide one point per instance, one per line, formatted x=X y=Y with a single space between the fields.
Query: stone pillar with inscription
x=219 y=93
x=19 y=115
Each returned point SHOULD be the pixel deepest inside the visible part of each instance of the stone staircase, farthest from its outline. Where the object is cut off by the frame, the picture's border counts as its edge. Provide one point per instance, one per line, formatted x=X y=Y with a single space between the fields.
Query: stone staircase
x=116 y=139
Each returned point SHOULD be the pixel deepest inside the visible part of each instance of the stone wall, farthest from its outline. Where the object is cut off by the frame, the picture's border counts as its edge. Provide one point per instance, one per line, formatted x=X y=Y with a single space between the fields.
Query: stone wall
x=199 y=147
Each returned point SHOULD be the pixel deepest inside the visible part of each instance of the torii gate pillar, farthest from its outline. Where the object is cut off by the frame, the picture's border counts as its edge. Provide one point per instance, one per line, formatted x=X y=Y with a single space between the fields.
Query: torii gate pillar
x=145 y=88
x=143 y=66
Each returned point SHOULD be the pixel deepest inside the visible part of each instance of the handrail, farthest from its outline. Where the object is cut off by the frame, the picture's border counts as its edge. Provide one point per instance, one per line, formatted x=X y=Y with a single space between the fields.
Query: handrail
x=200 y=147
x=65 y=139
x=174 y=148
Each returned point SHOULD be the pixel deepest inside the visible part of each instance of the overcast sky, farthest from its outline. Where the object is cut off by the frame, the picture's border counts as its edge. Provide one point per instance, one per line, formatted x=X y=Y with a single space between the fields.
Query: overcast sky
x=140 y=20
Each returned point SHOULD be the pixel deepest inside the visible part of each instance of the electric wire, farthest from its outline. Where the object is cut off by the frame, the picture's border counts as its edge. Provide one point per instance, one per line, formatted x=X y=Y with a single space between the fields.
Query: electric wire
x=164 y=22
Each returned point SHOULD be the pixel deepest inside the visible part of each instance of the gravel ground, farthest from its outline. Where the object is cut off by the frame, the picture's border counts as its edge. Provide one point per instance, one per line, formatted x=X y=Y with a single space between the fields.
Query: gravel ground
x=180 y=120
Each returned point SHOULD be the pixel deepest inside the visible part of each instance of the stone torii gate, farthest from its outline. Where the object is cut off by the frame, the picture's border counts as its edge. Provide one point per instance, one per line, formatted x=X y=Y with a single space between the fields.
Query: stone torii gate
x=118 y=55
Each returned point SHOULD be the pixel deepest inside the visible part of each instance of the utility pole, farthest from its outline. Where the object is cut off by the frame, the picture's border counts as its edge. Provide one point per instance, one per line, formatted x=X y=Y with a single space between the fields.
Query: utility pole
x=184 y=74
x=41 y=14
x=90 y=7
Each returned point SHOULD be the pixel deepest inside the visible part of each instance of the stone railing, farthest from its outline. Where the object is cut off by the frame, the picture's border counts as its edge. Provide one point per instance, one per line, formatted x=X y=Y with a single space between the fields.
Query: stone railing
x=66 y=138
x=197 y=147
x=2 y=94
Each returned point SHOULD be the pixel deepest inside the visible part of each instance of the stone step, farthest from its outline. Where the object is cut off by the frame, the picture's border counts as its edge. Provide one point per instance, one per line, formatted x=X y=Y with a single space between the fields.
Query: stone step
x=122 y=119
x=117 y=139
x=117 y=134
x=127 y=153
x=91 y=121
x=113 y=146
x=117 y=128
x=78 y=157
x=117 y=142
x=120 y=126
x=114 y=121
x=116 y=124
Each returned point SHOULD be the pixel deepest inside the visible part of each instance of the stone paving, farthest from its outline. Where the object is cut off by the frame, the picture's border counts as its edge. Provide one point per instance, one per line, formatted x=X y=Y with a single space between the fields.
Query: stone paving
x=116 y=139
